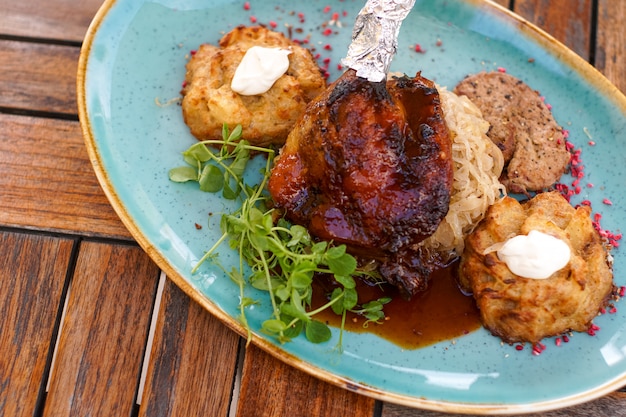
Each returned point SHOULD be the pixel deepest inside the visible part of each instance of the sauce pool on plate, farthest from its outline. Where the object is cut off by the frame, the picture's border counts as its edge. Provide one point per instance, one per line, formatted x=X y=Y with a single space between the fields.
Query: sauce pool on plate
x=440 y=313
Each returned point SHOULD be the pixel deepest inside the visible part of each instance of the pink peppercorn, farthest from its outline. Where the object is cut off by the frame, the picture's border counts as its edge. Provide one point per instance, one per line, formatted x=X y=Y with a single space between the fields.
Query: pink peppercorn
x=253 y=19
x=607 y=202
x=246 y=5
x=273 y=24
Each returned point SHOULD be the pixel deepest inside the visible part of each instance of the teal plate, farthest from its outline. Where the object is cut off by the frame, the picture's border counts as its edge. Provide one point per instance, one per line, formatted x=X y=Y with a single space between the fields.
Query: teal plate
x=133 y=58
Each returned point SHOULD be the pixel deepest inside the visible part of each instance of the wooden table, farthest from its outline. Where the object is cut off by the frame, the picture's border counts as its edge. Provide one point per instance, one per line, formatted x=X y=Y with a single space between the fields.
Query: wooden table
x=89 y=325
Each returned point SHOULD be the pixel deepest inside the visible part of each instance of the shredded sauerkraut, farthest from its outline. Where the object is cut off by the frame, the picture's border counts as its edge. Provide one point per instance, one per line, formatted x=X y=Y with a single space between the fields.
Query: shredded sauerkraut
x=478 y=164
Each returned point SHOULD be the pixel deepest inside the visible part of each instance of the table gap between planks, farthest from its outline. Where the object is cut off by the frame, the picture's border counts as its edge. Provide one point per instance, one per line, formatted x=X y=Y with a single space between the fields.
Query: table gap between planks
x=90 y=326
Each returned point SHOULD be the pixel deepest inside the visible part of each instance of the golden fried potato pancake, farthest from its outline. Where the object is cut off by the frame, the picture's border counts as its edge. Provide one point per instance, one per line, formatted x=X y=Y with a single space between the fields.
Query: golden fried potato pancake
x=521 y=309
x=208 y=101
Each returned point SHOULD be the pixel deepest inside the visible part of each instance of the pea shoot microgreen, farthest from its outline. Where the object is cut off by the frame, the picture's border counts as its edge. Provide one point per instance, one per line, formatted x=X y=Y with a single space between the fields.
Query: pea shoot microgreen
x=275 y=256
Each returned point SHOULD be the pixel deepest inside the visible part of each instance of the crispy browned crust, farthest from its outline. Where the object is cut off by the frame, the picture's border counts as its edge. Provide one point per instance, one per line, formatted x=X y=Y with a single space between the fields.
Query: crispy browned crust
x=527 y=310
x=209 y=102
x=369 y=165
x=522 y=126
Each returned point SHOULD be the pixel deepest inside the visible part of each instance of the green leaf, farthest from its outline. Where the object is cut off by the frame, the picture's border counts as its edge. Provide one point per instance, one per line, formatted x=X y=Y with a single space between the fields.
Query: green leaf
x=273 y=326
x=337 y=307
x=344 y=265
x=234 y=135
x=350 y=298
x=293 y=330
x=346 y=280
x=211 y=179
x=317 y=332
x=336 y=252
x=299 y=234
x=282 y=292
x=230 y=193
x=197 y=153
x=319 y=247
x=183 y=174
x=294 y=311
x=301 y=279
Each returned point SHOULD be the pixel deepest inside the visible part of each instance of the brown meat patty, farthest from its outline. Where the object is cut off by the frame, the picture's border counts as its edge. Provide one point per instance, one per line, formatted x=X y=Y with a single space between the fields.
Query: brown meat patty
x=519 y=309
x=522 y=126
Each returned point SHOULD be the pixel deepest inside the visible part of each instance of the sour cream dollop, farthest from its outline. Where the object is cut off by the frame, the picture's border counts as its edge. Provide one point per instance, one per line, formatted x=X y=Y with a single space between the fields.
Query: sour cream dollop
x=259 y=69
x=536 y=255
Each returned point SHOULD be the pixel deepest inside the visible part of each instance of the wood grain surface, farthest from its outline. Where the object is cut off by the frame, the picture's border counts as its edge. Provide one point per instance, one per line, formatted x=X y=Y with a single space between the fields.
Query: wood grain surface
x=104 y=330
x=89 y=325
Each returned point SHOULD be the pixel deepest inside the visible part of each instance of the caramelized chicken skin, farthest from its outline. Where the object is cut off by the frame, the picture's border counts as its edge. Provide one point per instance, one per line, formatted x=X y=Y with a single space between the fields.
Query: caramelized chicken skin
x=369 y=165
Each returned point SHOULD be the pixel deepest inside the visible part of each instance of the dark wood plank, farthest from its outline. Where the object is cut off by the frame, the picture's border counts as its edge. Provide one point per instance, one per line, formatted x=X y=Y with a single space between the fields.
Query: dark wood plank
x=104 y=332
x=48 y=182
x=32 y=278
x=613 y=405
x=611 y=41
x=38 y=77
x=53 y=19
x=569 y=21
x=270 y=388
x=193 y=361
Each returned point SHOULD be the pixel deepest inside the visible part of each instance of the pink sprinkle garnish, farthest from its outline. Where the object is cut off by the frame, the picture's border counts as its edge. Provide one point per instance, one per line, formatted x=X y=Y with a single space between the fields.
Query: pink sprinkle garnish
x=590 y=185
x=273 y=24
x=501 y=69
x=328 y=47
x=335 y=16
x=565 y=338
x=519 y=347
x=591 y=143
x=339 y=67
x=418 y=48
x=253 y=19
x=622 y=291
x=246 y=5
x=326 y=9
x=557 y=341
x=327 y=32
x=607 y=202
x=613 y=310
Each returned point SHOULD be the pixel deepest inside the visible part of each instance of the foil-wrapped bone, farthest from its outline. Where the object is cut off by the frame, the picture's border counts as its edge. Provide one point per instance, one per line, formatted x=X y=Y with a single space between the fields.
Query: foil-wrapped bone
x=375 y=37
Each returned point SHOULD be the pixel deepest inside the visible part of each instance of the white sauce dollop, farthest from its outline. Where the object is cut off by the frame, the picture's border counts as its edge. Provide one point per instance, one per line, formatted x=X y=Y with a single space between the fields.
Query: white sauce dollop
x=259 y=69
x=536 y=255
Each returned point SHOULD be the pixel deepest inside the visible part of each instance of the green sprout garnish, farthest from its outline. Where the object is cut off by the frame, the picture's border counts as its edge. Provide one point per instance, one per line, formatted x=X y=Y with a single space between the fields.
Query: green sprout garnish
x=275 y=256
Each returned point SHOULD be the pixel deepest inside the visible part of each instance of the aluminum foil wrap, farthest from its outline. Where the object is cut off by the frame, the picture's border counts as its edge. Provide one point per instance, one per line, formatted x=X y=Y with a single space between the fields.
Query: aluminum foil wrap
x=375 y=37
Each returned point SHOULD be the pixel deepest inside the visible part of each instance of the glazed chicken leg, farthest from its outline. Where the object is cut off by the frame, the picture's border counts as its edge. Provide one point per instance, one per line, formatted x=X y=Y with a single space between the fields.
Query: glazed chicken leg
x=369 y=165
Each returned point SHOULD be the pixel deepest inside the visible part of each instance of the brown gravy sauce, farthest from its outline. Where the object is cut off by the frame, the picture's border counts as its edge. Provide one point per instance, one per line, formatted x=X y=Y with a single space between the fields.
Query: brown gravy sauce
x=440 y=313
